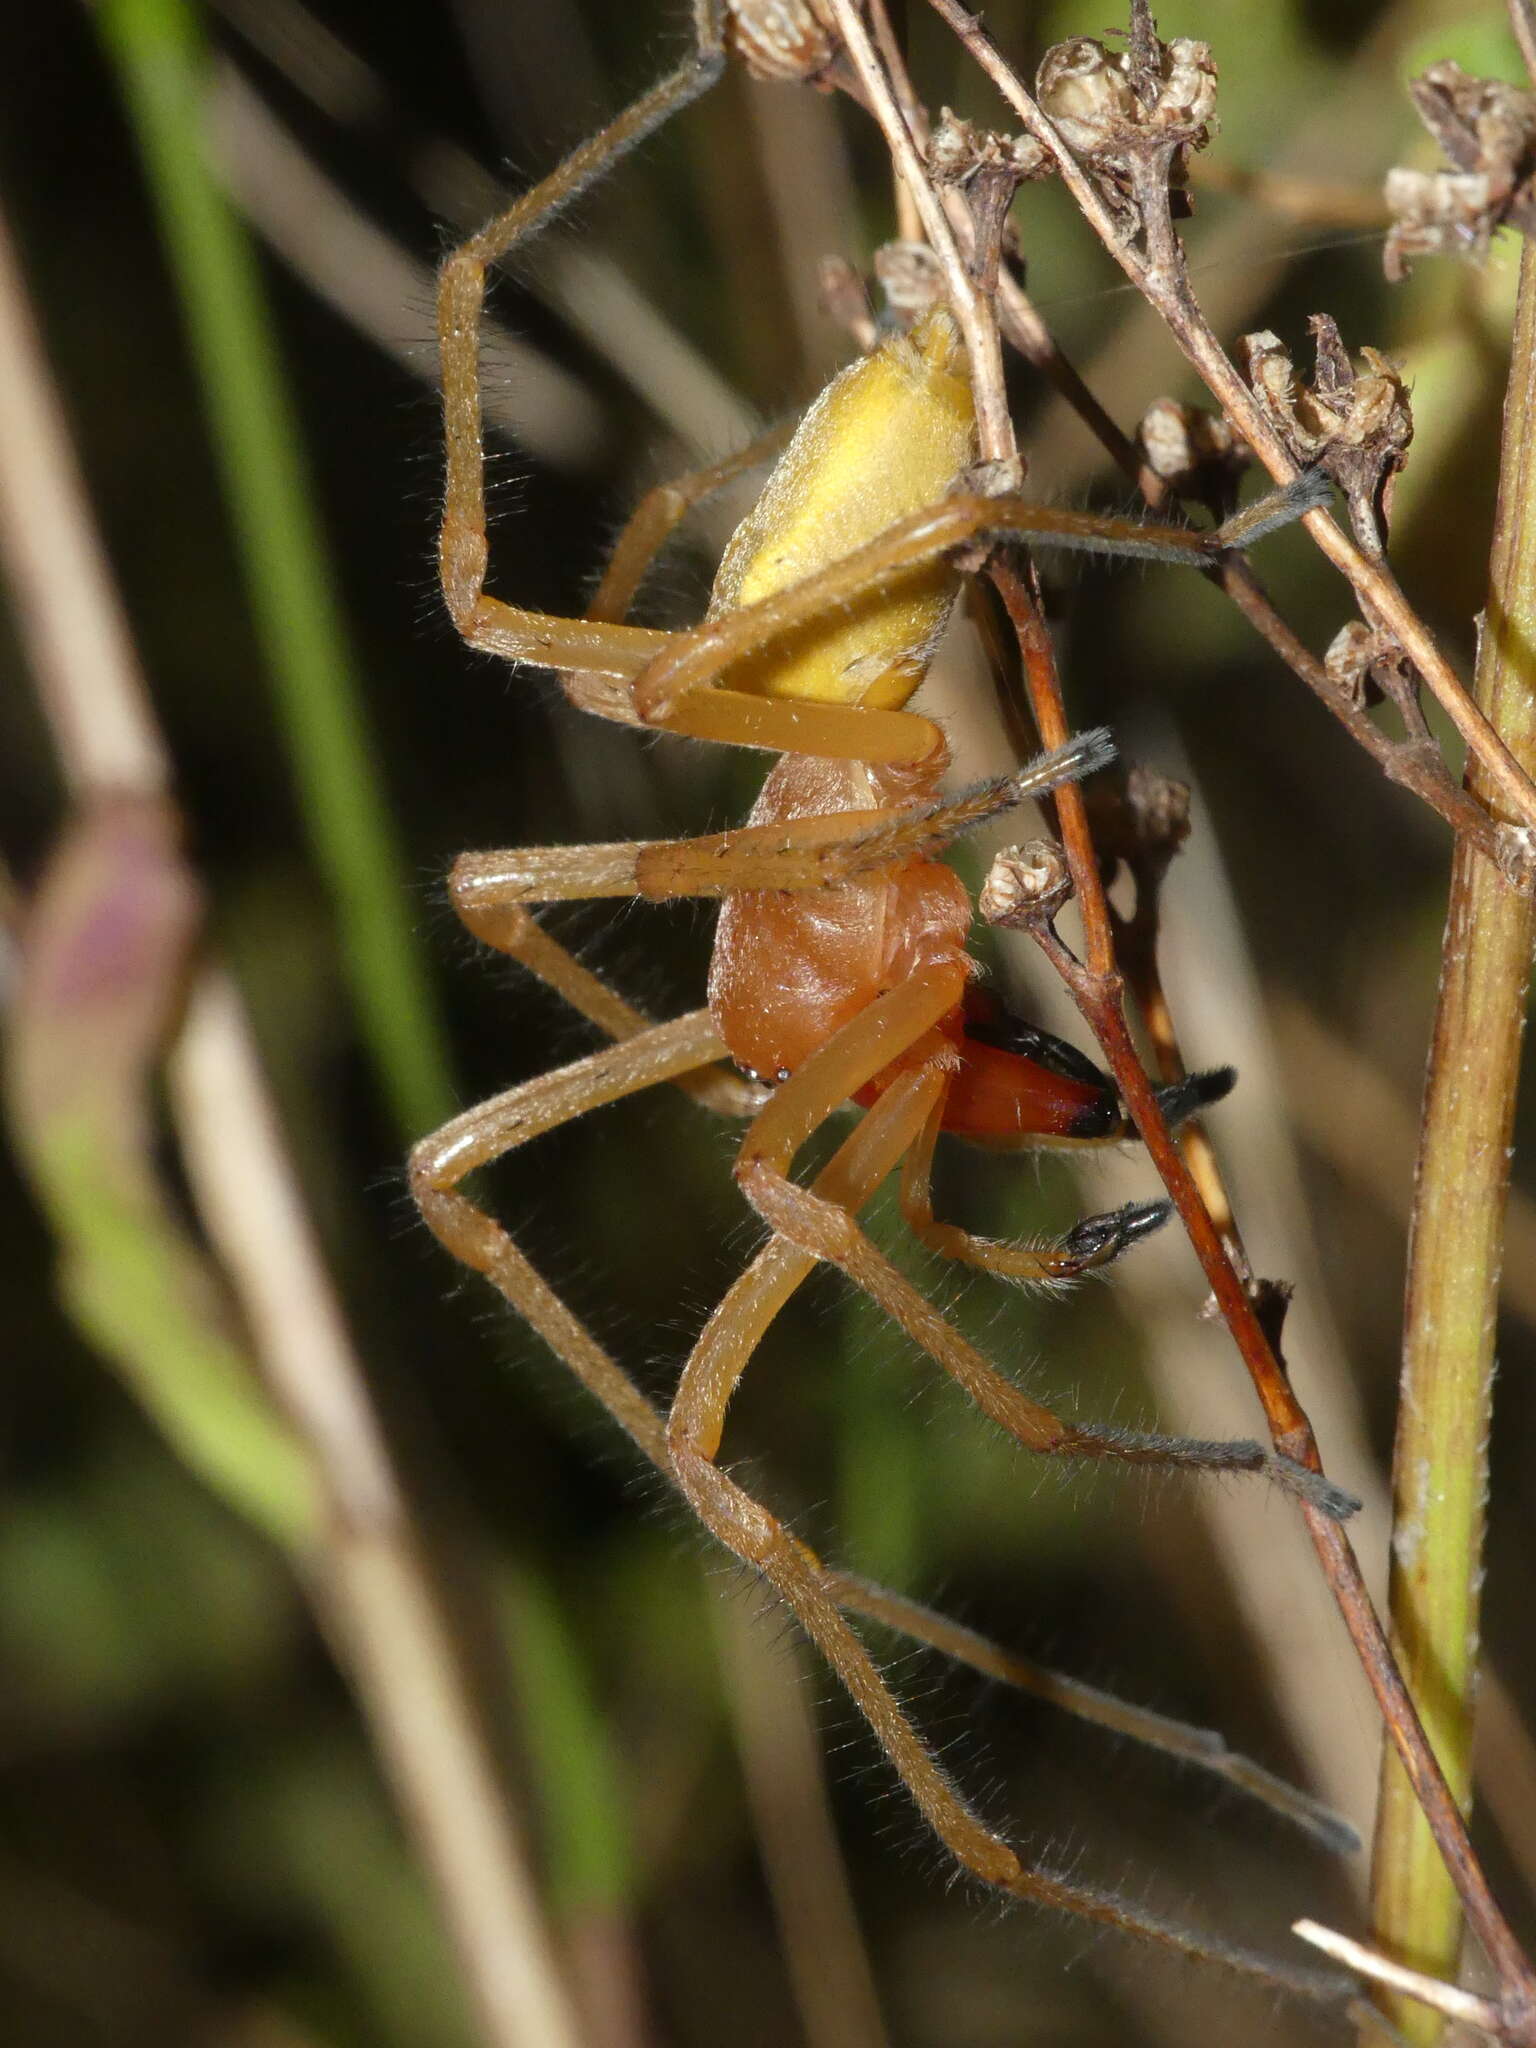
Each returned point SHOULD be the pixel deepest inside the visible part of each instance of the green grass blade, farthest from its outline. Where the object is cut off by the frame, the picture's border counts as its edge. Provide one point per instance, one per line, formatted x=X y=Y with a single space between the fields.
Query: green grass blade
x=158 y=50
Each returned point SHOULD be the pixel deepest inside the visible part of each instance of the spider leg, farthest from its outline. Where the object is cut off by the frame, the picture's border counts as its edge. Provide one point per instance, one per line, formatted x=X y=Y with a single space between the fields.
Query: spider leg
x=816 y=1596
x=1203 y=1748
x=439 y=1164
x=486 y=622
x=491 y=892
x=489 y=889
x=677 y=690
x=1093 y=1243
x=891 y=1027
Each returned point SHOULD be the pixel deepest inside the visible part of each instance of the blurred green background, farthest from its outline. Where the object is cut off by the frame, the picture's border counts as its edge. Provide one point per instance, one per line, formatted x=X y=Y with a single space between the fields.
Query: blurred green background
x=195 y=1840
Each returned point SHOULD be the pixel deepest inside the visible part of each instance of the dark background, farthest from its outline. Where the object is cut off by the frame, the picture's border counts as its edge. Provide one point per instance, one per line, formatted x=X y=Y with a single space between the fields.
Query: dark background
x=194 y=1842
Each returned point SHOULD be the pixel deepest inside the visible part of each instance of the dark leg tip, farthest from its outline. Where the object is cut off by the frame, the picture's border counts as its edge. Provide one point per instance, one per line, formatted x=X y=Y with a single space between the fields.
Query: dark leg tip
x=1314 y=1489
x=1180 y=1100
x=1098 y=1239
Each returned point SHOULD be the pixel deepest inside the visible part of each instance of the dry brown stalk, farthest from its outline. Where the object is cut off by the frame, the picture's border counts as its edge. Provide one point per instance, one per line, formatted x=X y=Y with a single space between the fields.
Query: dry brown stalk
x=1253 y=1315
x=1413 y=762
x=1158 y=271
x=1254 y=1312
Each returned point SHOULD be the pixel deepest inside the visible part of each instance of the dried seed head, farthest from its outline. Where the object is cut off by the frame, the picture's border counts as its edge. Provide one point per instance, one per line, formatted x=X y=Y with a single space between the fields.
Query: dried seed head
x=1087 y=94
x=1139 y=819
x=1348 y=661
x=1356 y=425
x=783 y=41
x=1487 y=129
x=1025 y=885
x=1158 y=809
x=1199 y=453
x=1369 y=663
x=1150 y=95
x=958 y=150
x=1133 y=116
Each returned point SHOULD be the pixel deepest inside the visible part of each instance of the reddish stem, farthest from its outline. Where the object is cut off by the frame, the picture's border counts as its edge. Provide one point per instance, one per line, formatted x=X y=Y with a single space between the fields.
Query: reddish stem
x=1098 y=988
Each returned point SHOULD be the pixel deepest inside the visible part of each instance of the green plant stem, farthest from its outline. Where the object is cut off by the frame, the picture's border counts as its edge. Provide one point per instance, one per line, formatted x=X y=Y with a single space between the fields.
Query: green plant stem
x=157 y=47
x=1440 y=1466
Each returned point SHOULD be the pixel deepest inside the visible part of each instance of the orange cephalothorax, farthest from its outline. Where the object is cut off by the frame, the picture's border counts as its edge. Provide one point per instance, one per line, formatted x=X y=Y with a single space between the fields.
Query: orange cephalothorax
x=789 y=969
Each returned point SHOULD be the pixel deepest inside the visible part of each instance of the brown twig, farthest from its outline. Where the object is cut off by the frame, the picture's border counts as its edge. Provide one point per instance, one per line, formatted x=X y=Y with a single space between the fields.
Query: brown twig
x=1159 y=273
x=1096 y=985
x=994 y=420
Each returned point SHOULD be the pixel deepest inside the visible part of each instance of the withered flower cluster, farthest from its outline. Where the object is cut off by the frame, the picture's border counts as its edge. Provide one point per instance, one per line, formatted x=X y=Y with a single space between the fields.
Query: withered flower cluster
x=1487 y=129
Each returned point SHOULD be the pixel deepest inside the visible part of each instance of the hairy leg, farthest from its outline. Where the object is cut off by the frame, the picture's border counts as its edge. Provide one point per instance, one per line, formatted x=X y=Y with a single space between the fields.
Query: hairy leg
x=677 y=691
x=891 y=1027
x=462 y=547
x=817 y=1596
x=441 y=1163
x=1089 y=1245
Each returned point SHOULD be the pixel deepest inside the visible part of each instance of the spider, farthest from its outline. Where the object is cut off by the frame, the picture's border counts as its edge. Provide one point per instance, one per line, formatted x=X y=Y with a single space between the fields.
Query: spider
x=840 y=970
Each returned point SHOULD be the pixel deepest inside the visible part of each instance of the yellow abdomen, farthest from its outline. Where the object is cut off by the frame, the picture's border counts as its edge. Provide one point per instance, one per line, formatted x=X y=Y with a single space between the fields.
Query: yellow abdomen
x=888 y=436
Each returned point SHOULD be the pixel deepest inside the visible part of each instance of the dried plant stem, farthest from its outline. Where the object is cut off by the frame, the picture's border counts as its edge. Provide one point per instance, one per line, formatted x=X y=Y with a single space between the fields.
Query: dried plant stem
x=994 y=420
x=1096 y=985
x=1160 y=276
x=1435 y=2001
x=1440 y=1466
x=371 y=1583
x=1412 y=762
x=358 y=1551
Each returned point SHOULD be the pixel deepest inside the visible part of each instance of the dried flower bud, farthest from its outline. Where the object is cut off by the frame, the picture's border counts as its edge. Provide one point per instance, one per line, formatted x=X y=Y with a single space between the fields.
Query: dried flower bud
x=783 y=41
x=988 y=170
x=1368 y=663
x=1133 y=117
x=1158 y=808
x=1087 y=94
x=1200 y=454
x=1348 y=661
x=1356 y=424
x=1025 y=884
x=958 y=149
x=910 y=276
x=1487 y=129
x=1108 y=105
